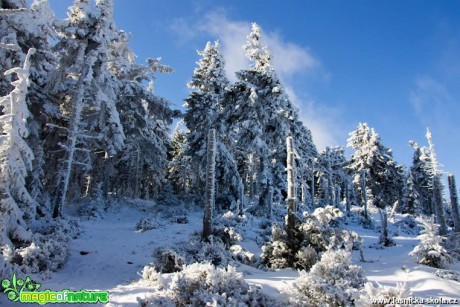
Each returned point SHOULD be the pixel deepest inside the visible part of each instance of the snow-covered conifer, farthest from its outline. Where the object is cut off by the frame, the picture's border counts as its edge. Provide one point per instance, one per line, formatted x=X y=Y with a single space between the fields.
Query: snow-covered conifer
x=430 y=250
x=261 y=117
x=204 y=105
x=17 y=208
x=437 y=187
x=333 y=281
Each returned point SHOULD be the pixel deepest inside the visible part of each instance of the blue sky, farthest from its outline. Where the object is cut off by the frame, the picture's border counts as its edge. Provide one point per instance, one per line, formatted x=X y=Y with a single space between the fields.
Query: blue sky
x=392 y=64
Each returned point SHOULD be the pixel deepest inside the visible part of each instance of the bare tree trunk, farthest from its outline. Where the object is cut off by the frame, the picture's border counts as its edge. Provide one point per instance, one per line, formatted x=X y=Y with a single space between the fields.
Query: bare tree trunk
x=438 y=205
x=384 y=236
x=454 y=202
x=347 y=195
x=210 y=184
x=364 y=192
x=313 y=183
x=291 y=197
x=71 y=142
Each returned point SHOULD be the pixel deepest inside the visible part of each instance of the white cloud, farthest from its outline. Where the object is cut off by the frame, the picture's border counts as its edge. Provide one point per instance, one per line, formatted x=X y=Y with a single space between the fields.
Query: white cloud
x=325 y=123
x=232 y=36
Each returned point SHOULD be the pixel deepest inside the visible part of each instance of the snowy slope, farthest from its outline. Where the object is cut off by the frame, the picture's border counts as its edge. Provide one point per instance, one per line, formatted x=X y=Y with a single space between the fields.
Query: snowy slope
x=116 y=254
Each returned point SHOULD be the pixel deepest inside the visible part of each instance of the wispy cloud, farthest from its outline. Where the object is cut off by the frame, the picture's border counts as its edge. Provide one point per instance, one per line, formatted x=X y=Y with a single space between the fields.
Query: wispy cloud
x=432 y=101
x=325 y=123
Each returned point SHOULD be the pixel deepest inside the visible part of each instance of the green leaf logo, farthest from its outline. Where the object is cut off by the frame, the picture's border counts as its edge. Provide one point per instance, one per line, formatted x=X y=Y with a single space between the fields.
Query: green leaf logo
x=14 y=287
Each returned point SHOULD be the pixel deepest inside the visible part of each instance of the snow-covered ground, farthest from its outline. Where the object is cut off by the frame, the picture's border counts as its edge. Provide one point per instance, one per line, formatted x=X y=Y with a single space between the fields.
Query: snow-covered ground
x=110 y=254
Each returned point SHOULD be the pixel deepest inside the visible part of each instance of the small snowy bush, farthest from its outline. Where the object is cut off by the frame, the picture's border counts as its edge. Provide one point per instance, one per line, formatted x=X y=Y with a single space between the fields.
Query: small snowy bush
x=370 y=293
x=333 y=281
x=167 y=260
x=148 y=223
x=239 y=254
x=430 y=250
x=151 y=274
x=44 y=254
x=408 y=225
x=447 y=274
x=49 y=248
x=202 y=284
x=172 y=259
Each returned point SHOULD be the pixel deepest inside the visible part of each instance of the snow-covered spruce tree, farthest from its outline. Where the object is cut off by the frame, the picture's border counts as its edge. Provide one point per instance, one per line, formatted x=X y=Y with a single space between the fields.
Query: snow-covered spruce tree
x=437 y=187
x=411 y=197
x=86 y=92
x=141 y=166
x=430 y=250
x=207 y=106
x=332 y=163
x=333 y=281
x=420 y=172
x=31 y=27
x=260 y=119
x=17 y=208
x=454 y=202
x=179 y=169
x=210 y=184
x=382 y=175
x=209 y=84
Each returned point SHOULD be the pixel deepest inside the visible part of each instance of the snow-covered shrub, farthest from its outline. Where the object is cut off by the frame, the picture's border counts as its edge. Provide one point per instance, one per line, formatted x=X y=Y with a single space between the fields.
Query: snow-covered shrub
x=49 y=249
x=229 y=228
x=44 y=254
x=92 y=209
x=447 y=274
x=430 y=250
x=213 y=251
x=306 y=257
x=148 y=223
x=333 y=281
x=202 y=284
x=172 y=259
x=151 y=274
x=239 y=254
x=407 y=225
x=276 y=254
x=167 y=260
x=370 y=293
x=319 y=232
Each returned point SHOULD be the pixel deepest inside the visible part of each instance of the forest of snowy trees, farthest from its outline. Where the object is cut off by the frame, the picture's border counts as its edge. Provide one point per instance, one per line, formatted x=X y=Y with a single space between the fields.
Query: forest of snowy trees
x=80 y=122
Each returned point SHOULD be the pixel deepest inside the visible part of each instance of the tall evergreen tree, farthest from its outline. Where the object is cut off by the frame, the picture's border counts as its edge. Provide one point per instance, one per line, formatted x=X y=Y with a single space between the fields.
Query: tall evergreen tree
x=420 y=175
x=85 y=91
x=207 y=107
x=17 y=208
x=31 y=27
x=438 y=200
x=204 y=106
x=260 y=119
x=372 y=157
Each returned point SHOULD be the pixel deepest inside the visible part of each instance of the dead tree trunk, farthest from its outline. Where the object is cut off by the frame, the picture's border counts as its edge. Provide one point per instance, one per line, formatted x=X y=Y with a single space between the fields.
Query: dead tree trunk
x=291 y=197
x=364 y=192
x=210 y=184
x=454 y=202
x=438 y=205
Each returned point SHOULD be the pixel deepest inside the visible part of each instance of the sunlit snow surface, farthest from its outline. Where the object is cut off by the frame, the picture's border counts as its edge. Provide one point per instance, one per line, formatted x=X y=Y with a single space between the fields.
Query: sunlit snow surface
x=117 y=254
